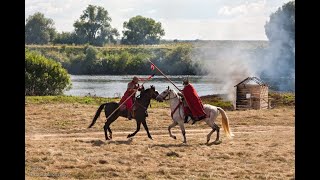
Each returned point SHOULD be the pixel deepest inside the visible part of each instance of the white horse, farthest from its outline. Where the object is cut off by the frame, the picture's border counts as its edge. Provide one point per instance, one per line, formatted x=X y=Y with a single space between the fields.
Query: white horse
x=177 y=114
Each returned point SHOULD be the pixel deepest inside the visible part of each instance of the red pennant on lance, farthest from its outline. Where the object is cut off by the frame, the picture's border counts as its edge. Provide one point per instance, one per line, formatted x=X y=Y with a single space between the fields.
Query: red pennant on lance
x=152 y=66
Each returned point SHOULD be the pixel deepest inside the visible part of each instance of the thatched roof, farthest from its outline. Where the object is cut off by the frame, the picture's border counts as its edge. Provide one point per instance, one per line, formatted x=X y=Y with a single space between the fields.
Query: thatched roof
x=252 y=79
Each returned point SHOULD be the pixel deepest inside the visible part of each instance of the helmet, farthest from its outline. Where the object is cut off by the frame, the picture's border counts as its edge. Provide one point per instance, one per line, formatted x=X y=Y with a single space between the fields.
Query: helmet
x=185 y=81
x=135 y=78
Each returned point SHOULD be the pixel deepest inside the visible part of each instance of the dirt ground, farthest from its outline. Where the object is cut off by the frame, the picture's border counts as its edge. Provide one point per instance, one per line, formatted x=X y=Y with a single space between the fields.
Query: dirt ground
x=59 y=146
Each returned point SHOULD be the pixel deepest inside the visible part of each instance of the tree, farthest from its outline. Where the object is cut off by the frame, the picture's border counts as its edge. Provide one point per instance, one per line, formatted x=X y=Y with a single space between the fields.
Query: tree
x=65 y=38
x=44 y=76
x=39 y=30
x=282 y=24
x=280 y=55
x=94 y=27
x=141 y=30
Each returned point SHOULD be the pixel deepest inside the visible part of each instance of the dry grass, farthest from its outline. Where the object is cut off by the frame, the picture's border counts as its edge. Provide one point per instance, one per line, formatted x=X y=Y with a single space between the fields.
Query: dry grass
x=59 y=146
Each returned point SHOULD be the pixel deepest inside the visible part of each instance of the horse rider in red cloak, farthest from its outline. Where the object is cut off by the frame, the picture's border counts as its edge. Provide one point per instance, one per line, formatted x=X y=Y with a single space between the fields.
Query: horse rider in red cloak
x=132 y=87
x=193 y=105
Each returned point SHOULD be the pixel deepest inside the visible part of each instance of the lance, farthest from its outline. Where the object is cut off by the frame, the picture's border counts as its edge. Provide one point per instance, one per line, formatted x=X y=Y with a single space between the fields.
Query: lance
x=134 y=91
x=172 y=84
x=163 y=74
x=170 y=81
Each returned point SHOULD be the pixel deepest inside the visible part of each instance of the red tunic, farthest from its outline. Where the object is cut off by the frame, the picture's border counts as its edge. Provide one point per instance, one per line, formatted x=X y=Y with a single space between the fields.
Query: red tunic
x=128 y=104
x=193 y=100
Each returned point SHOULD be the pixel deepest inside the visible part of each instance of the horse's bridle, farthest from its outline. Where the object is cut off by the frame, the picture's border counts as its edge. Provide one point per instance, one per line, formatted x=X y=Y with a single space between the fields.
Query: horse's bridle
x=163 y=97
x=177 y=107
x=150 y=96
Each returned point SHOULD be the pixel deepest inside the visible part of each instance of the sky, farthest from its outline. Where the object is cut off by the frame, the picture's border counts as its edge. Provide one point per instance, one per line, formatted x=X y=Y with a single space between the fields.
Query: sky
x=180 y=19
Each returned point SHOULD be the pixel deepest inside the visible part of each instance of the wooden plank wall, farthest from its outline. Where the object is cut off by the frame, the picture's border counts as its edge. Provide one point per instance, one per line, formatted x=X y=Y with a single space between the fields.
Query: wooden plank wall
x=264 y=97
x=259 y=96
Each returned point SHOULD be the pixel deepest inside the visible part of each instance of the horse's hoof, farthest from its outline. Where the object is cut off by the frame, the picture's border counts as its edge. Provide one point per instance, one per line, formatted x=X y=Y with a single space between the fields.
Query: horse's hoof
x=150 y=138
x=216 y=142
x=129 y=136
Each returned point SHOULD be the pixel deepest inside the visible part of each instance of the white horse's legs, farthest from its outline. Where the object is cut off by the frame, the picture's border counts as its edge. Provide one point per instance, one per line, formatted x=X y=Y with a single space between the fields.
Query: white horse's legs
x=183 y=131
x=209 y=135
x=214 y=126
x=169 y=129
x=218 y=132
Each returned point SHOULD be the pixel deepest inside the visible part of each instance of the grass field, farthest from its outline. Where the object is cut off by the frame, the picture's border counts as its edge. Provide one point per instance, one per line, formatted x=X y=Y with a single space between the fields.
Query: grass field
x=59 y=145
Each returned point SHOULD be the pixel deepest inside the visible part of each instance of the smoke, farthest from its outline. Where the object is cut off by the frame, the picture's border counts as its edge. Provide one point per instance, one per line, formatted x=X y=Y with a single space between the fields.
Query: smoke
x=279 y=70
x=230 y=62
x=226 y=63
x=273 y=61
x=280 y=54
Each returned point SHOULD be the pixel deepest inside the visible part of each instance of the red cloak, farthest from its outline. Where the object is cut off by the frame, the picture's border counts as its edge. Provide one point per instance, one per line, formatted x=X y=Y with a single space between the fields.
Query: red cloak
x=129 y=103
x=193 y=100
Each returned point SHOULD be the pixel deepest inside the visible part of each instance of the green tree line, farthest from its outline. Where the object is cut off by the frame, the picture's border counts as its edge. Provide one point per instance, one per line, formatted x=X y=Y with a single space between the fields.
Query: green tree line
x=44 y=76
x=93 y=27
x=173 y=59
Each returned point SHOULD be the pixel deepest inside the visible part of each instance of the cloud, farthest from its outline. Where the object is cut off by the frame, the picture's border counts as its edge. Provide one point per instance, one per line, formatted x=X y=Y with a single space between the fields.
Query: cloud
x=181 y=19
x=247 y=8
x=125 y=10
x=242 y=29
x=152 y=11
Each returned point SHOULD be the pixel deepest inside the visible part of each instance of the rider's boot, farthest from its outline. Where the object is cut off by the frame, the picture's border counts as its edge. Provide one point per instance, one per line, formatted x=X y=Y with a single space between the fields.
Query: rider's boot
x=129 y=115
x=194 y=120
x=186 y=119
x=198 y=118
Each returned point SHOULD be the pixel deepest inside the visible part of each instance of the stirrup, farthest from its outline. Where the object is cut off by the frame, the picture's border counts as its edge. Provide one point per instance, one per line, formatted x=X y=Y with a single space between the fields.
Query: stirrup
x=129 y=116
x=186 y=119
x=194 y=120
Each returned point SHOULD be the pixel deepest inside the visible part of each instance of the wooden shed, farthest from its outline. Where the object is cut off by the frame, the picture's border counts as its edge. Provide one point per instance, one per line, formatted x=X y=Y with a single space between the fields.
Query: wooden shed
x=252 y=93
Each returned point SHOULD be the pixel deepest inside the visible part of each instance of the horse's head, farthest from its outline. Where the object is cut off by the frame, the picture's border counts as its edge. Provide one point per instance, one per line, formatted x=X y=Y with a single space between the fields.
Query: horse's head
x=151 y=92
x=166 y=95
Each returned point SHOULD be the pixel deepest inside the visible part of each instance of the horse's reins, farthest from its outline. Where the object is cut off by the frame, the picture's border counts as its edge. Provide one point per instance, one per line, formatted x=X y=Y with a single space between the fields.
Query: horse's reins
x=175 y=109
x=150 y=96
x=169 y=96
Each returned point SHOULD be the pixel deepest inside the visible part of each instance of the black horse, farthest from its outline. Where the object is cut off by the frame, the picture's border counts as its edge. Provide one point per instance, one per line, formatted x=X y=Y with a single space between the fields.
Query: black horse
x=141 y=105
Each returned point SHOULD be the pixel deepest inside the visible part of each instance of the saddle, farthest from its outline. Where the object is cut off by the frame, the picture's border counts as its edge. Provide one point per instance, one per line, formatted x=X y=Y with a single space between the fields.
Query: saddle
x=131 y=114
x=188 y=113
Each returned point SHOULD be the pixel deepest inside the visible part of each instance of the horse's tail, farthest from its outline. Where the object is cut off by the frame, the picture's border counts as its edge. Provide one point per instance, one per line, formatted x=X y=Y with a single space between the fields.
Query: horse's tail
x=225 y=123
x=97 y=114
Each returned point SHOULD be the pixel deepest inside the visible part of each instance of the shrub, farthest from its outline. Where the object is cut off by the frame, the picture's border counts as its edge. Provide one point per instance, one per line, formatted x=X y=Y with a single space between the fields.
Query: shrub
x=44 y=76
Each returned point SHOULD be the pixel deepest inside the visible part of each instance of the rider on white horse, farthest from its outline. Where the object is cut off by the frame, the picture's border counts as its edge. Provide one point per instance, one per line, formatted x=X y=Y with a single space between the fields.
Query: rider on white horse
x=177 y=115
x=193 y=106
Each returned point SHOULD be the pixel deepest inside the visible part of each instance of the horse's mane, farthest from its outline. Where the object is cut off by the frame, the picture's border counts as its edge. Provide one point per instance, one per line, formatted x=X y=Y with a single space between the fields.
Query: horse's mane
x=142 y=93
x=174 y=91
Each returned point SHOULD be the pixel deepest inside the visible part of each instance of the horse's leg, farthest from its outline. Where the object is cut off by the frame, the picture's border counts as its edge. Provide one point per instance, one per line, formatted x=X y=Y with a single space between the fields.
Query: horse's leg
x=110 y=132
x=144 y=123
x=214 y=127
x=169 y=129
x=108 y=110
x=106 y=127
x=210 y=122
x=218 y=132
x=183 y=131
x=138 y=129
x=210 y=133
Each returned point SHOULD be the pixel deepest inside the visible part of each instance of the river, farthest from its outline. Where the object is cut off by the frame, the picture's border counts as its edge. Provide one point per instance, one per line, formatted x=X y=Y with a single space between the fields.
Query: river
x=115 y=86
